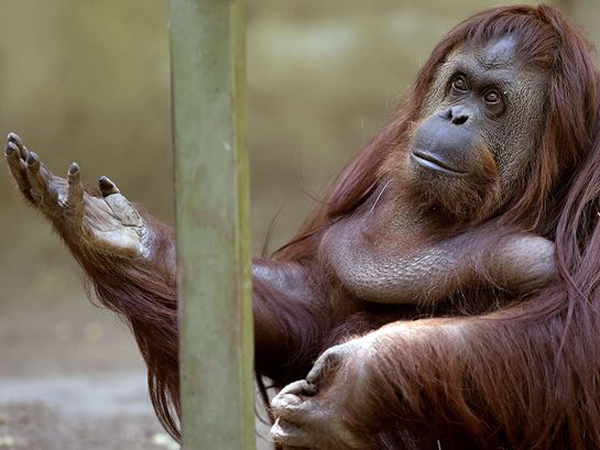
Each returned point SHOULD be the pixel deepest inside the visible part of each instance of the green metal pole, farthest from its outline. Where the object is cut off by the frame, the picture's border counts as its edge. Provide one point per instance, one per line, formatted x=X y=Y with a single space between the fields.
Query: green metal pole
x=213 y=224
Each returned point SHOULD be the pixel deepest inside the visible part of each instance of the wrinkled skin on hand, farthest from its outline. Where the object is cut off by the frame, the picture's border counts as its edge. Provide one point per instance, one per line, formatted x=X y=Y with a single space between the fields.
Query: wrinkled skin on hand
x=106 y=223
x=309 y=413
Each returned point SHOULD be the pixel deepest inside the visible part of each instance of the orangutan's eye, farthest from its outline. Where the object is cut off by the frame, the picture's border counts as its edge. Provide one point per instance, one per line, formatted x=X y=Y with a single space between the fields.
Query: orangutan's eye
x=492 y=97
x=459 y=83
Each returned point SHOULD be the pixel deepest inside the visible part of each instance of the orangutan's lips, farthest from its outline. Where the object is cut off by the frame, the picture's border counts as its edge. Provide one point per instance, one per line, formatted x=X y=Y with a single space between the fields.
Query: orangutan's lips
x=432 y=162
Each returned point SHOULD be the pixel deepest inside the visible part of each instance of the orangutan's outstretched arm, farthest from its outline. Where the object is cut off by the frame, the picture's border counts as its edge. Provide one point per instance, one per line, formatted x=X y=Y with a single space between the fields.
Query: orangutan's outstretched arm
x=130 y=260
x=411 y=377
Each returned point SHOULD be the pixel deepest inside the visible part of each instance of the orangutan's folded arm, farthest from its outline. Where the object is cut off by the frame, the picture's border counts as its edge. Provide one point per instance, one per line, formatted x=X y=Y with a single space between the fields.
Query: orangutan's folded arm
x=380 y=271
x=415 y=376
x=484 y=372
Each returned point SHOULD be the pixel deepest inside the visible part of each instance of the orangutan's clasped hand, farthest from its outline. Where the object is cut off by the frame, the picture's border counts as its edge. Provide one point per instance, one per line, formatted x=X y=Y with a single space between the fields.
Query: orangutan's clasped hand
x=309 y=413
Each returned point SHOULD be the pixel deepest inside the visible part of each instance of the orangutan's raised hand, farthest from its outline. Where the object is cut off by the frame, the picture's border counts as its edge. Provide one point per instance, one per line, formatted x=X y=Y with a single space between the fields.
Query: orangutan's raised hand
x=106 y=222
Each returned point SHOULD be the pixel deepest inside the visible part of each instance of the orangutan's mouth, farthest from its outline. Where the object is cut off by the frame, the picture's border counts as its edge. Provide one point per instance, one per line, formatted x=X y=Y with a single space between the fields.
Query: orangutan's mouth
x=433 y=162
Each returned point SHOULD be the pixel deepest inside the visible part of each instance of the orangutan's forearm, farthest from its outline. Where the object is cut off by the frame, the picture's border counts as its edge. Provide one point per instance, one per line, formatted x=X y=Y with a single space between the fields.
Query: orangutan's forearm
x=419 y=373
x=143 y=291
x=141 y=288
x=429 y=272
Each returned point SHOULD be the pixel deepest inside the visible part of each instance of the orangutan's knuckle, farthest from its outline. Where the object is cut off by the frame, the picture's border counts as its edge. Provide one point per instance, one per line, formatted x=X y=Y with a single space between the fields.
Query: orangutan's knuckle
x=291 y=406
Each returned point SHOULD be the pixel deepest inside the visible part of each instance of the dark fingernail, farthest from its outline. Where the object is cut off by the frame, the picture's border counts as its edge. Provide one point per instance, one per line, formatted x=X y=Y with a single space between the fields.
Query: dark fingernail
x=14 y=137
x=107 y=187
x=74 y=168
x=31 y=159
x=10 y=149
x=311 y=389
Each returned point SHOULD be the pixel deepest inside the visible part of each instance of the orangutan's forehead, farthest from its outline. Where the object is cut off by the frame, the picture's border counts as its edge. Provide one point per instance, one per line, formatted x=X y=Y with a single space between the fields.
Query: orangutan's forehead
x=497 y=61
x=496 y=54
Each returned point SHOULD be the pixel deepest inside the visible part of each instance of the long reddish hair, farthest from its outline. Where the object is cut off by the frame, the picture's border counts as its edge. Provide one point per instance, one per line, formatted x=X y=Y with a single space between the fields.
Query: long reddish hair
x=558 y=331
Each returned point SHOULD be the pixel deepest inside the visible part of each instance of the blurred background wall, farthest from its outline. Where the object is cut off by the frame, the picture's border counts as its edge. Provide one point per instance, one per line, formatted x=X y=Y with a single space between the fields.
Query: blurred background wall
x=88 y=81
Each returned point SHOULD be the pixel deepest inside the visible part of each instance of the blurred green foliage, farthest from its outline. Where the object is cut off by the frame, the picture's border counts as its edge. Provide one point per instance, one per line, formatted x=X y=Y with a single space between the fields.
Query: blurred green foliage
x=88 y=80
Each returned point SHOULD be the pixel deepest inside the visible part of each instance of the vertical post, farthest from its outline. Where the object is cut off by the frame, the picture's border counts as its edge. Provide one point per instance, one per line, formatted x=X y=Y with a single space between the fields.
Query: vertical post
x=213 y=224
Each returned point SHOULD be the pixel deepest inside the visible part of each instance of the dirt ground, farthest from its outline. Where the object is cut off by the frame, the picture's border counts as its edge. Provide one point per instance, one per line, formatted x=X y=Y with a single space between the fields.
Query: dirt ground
x=71 y=379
